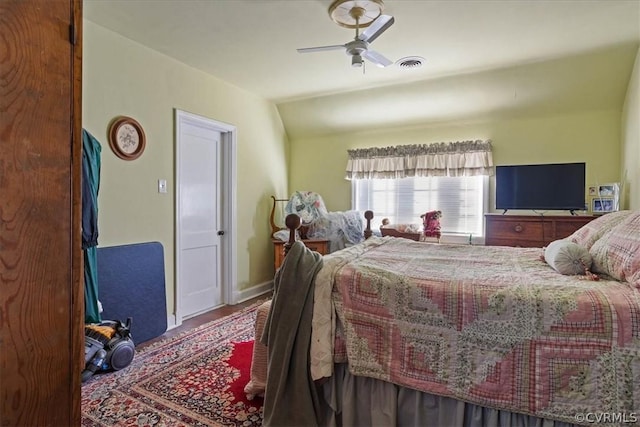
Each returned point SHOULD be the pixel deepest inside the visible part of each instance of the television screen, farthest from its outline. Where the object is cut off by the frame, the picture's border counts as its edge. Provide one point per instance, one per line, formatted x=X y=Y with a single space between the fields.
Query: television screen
x=559 y=186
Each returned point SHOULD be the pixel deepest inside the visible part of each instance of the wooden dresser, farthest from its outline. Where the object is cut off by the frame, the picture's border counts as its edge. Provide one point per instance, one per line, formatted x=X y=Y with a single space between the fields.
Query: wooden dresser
x=530 y=230
x=320 y=246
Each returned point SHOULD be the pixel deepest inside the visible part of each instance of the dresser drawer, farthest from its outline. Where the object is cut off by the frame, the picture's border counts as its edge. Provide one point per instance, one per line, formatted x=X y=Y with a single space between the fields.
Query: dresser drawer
x=320 y=246
x=565 y=228
x=530 y=230
x=521 y=230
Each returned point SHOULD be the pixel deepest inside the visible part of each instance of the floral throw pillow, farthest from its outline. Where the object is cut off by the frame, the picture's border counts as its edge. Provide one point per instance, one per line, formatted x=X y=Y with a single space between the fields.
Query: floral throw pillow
x=589 y=233
x=617 y=253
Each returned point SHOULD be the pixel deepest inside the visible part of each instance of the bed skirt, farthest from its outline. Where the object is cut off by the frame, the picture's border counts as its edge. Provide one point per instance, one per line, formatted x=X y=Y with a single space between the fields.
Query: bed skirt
x=359 y=401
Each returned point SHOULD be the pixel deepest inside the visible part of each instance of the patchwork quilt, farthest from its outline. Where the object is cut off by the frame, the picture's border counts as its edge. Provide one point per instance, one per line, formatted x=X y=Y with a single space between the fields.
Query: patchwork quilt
x=494 y=326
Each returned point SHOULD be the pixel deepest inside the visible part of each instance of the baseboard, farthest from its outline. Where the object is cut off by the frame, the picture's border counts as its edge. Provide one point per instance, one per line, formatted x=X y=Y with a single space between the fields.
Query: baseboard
x=171 y=322
x=252 y=292
x=238 y=297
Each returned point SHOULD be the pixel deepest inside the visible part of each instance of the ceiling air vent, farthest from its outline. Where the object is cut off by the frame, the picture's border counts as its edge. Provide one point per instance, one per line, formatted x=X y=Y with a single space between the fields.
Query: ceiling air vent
x=410 y=62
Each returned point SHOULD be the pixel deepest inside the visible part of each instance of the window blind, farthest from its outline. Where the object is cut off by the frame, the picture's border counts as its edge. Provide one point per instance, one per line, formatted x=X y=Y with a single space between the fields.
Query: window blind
x=461 y=199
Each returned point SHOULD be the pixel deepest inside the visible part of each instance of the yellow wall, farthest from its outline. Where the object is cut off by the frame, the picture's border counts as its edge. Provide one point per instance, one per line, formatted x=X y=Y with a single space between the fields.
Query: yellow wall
x=630 y=170
x=318 y=164
x=121 y=77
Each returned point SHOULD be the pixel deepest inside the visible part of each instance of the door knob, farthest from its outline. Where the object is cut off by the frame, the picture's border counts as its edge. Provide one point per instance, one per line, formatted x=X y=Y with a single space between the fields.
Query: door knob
x=220 y=232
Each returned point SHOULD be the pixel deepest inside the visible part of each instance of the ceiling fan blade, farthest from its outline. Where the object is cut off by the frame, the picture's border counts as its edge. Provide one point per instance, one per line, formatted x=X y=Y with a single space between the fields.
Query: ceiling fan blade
x=377 y=58
x=321 y=48
x=376 y=28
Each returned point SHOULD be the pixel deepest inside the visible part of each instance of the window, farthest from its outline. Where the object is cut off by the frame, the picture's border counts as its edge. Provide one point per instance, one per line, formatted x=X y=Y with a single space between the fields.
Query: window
x=461 y=199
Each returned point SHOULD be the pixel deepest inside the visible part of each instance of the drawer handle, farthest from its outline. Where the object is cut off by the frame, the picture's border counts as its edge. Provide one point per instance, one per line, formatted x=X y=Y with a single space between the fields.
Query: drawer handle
x=518 y=228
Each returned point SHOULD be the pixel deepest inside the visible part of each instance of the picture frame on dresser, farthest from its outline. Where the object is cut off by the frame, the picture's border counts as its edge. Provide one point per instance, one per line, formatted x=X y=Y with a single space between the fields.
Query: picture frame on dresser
x=603 y=205
x=608 y=190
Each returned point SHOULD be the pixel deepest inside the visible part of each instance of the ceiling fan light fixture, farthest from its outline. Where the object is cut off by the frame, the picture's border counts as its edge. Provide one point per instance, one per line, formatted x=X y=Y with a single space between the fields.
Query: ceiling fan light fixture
x=355 y=13
x=356 y=61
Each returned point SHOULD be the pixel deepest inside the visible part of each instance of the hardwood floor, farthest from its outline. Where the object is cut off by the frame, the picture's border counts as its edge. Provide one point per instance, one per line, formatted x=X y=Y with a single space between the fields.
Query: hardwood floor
x=209 y=316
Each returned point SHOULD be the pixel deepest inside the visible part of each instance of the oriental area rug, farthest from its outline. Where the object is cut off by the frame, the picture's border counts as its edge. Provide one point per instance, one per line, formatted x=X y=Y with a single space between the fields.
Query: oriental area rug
x=194 y=379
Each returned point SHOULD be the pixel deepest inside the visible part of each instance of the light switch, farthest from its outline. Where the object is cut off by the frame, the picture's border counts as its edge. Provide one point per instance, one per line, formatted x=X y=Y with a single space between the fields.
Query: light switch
x=162 y=186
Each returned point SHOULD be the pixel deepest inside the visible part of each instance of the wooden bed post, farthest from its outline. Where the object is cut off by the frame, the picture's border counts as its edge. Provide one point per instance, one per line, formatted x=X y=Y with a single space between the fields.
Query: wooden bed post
x=367 y=231
x=292 y=221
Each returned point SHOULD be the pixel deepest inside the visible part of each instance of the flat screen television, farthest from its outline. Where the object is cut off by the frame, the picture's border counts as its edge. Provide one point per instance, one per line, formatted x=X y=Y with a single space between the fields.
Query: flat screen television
x=559 y=186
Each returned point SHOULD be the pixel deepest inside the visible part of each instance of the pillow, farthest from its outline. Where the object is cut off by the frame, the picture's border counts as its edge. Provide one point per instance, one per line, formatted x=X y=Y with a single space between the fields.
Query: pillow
x=567 y=257
x=589 y=233
x=617 y=253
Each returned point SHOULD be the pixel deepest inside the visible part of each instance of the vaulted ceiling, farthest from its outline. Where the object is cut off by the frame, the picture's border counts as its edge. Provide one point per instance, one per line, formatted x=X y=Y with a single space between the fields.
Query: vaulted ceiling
x=481 y=58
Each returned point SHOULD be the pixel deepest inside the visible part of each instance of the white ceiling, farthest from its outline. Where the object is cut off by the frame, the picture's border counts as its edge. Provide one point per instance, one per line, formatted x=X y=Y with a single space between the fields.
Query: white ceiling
x=482 y=57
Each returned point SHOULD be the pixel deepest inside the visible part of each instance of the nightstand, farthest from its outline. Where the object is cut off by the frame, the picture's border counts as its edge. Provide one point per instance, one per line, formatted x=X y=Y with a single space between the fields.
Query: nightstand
x=320 y=246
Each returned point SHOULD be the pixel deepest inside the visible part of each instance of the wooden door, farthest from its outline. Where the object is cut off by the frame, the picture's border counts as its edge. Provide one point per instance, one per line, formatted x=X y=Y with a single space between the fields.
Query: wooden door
x=41 y=299
x=198 y=172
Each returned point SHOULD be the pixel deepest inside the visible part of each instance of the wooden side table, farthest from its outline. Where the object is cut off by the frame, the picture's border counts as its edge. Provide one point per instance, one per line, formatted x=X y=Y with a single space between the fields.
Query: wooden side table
x=320 y=246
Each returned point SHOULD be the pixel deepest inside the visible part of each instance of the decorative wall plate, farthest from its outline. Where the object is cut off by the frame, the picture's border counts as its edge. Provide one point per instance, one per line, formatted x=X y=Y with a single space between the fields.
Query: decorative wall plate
x=126 y=138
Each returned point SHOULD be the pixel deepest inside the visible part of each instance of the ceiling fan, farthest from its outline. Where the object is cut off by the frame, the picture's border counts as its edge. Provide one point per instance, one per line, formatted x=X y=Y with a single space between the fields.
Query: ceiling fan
x=359 y=14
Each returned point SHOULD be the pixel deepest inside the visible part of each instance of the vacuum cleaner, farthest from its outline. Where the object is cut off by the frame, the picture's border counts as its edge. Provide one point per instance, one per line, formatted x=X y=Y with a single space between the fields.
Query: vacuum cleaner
x=108 y=346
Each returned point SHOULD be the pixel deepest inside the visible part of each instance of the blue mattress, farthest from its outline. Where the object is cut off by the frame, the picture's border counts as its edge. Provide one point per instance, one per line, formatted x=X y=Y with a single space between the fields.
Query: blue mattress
x=131 y=283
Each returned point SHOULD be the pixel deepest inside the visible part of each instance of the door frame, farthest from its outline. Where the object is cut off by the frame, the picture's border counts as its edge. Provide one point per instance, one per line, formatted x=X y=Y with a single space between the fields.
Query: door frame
x=228 y=206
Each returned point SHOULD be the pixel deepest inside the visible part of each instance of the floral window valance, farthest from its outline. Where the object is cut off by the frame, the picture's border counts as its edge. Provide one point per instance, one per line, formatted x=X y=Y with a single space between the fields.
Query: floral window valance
x=463 y=158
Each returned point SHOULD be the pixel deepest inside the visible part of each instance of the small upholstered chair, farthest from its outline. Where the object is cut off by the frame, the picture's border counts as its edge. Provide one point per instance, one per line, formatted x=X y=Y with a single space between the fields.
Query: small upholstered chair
x=431 y=224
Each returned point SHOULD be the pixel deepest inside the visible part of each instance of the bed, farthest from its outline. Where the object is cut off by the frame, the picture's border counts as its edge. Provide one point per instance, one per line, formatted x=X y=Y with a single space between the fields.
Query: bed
x=397 y=332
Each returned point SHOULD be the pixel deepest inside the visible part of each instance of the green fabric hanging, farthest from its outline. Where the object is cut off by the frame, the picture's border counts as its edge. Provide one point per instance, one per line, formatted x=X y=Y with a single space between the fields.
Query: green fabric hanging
x=91 y=310
x=90 y=184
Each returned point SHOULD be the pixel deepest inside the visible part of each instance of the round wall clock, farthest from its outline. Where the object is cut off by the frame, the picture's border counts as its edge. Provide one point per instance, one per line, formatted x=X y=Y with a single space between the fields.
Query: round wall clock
x=126 y=138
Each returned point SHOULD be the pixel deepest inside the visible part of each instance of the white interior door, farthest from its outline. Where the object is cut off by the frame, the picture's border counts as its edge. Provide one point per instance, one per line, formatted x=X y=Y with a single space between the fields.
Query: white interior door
x=199 y=226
